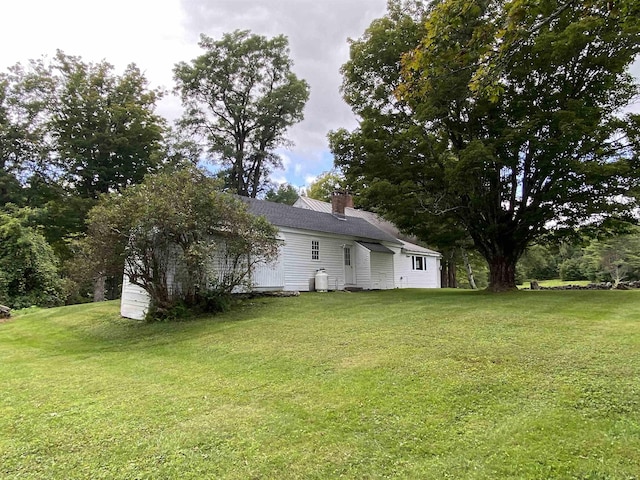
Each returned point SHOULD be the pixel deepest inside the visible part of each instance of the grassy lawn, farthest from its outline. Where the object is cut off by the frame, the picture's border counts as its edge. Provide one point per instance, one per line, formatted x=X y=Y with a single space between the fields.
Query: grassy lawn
x=394 y=384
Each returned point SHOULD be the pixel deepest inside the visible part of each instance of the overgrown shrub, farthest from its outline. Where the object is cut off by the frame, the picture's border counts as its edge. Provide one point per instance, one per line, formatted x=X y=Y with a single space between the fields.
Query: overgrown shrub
x=28 y=265
x=210 y=301
x=174 y=312
x=183 y=241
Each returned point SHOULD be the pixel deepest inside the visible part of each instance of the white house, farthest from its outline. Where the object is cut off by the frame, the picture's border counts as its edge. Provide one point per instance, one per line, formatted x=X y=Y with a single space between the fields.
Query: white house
x=354 y=254
x=356 y=249
x=414 y=266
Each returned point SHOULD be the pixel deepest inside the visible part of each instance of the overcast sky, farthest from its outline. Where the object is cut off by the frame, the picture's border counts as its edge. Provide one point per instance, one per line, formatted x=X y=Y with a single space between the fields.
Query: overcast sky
x=157 y=34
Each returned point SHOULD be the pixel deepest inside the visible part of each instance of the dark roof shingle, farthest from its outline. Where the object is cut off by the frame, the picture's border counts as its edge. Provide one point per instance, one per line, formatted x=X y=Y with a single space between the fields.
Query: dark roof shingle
x=375 y=247
x=282 y=215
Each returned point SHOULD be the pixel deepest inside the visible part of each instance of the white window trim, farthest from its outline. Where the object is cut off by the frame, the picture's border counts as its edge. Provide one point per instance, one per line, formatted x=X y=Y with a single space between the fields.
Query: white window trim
x=348 y=256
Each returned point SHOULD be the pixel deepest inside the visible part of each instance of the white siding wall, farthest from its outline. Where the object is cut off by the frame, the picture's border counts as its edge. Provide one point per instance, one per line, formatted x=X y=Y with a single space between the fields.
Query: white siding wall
x=433 y=266
x=270 y=276
x=299 y=268
x=265 y=276
x=363 y=267
x=134 y=302
x=406 y=277
x=381 y=270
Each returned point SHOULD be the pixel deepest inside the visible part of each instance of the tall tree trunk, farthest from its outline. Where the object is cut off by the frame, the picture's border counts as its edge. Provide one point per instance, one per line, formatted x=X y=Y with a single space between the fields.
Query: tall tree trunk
x=467 y=266
x=448 y=270
x=99 y=288
x=255 y=175
x=453 y=281
x=502 y=274
x=444 y=275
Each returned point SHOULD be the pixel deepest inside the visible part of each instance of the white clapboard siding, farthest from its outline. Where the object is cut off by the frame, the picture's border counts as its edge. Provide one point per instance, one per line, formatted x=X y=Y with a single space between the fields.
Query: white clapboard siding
x=134 y=302
x=300 y=268
x=406 y=277
x=269 y=276
x=363 y=267
x=381 y=271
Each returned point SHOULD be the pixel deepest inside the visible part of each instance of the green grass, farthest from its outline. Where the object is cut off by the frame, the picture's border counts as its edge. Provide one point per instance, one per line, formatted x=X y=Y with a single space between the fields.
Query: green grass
x=394 y=384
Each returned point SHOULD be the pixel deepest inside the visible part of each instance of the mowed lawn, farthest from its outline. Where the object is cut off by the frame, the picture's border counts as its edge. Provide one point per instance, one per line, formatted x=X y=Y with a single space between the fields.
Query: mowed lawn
x=395 y=384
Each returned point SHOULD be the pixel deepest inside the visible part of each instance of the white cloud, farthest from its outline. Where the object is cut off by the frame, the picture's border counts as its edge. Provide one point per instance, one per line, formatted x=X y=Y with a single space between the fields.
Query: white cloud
x=285 y=159
x=309 y=179
x=279 y=179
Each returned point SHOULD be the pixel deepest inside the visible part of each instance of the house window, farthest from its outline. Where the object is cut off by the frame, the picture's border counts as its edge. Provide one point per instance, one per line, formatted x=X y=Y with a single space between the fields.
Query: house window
x=315 y=250
x=418 y=263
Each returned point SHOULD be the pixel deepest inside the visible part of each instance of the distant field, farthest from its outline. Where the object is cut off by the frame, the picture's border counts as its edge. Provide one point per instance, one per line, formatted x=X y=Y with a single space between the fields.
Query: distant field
x=394 y=384
x=556 y=283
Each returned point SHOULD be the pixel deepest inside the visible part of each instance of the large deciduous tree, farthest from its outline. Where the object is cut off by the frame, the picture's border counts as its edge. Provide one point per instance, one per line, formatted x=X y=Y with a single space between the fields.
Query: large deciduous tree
x=324 y=185
x=79 y=123
x=501 y=119
x=106 y=134
x=70 y=131
x=240 y=97
x=181 y=239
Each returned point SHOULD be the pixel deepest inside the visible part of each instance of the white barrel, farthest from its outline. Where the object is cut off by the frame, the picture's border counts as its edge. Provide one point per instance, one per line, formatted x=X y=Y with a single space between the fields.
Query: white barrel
x=322 y=281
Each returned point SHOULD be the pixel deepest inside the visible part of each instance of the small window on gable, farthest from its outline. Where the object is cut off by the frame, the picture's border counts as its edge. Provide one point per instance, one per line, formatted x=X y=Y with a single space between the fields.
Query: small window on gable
x=418 y=263
x=315 y=250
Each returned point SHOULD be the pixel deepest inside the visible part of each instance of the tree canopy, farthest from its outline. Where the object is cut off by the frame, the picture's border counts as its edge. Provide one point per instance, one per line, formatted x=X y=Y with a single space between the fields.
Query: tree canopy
x=79 y=124
x=499 y=121
x=322 y=188
x=285 y=193
x=240 y=97
x=106 y=135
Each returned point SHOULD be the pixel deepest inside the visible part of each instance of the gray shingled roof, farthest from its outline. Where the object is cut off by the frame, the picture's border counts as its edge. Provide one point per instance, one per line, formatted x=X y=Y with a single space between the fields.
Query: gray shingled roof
x=409 y=242
x=375 y=247
x=282 y=215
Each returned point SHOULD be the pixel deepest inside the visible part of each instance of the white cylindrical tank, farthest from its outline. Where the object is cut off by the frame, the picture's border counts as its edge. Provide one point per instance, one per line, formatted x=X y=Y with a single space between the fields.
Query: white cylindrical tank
x=322 y=281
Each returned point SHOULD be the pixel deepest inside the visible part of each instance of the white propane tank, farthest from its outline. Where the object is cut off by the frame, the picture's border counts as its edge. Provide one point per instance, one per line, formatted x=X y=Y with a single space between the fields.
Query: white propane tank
x=322 y=281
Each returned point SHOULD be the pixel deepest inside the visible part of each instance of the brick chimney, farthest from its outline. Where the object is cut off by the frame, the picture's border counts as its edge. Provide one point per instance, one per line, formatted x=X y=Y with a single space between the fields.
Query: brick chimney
x=339 y=201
